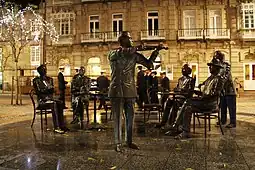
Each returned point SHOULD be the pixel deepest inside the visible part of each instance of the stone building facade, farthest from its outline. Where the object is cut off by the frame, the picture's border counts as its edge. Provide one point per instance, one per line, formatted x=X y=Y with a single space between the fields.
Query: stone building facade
x=192 y=29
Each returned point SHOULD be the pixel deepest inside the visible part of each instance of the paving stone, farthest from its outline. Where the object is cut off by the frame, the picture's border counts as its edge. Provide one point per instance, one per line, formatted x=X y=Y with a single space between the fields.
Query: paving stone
x=24 y=148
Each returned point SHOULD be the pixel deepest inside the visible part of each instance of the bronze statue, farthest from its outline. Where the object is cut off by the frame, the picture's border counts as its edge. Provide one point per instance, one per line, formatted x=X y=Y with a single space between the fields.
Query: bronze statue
x=80 y=86
x=62 y=85
x=102 y=85
x=207 y=99
x=228 y=97
x=44 y=89
x=185 y=87
x=122 y=91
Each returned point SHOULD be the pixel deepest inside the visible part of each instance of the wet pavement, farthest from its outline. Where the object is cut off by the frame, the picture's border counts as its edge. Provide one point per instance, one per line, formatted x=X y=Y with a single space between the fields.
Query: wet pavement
x=24 y=148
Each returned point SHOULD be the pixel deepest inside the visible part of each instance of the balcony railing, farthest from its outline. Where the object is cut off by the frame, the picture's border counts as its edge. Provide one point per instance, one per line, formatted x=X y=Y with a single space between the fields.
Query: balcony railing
x=248 y=33
x=64 y=40
x=92 y=37
x=190 y=34
x=217 y=33
x=153 y=35
x=60 y=2
x=112 y=36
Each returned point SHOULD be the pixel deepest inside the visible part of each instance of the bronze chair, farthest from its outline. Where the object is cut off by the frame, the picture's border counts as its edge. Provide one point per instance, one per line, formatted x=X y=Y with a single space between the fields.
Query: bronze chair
x=152 y=107
x=207 y=115
x=38 y=110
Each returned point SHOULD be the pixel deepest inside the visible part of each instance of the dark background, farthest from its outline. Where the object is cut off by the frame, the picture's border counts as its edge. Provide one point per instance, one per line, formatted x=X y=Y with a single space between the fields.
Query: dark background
x=24 y=3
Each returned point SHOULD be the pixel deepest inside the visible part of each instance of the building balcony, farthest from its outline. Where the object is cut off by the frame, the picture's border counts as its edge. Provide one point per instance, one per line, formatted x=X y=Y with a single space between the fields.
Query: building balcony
x=64 y=40
x=61 y=2
x=248 y=33
x=217 y=33
x=153 y=35
x=92 y=37
x=190 y=34
x=112 y=36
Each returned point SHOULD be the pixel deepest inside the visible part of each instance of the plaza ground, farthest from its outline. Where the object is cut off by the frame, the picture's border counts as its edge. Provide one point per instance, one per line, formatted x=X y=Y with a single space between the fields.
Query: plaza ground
x=24 y=148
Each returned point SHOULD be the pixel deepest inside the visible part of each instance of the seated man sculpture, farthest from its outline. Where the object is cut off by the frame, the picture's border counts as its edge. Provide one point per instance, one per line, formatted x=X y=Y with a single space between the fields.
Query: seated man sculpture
x=207 y=99
x=44 y=89
x=80 y=86
x=186 y=86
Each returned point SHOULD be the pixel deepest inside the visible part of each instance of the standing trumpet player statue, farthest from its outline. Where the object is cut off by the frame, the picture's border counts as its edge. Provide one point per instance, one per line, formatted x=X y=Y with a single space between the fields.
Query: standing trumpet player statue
x=122 y=91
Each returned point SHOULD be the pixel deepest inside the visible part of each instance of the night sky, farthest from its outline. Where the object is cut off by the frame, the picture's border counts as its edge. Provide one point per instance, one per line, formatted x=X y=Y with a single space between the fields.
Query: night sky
x=25 y=2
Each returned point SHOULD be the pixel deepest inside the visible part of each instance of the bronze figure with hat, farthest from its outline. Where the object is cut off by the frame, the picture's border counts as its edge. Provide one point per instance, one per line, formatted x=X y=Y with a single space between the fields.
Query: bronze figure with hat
x=228 y=95
x=207 y=100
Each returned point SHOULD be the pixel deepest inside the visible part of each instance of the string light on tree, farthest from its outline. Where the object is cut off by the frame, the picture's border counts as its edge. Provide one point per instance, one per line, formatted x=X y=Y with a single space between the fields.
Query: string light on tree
x=20 y=26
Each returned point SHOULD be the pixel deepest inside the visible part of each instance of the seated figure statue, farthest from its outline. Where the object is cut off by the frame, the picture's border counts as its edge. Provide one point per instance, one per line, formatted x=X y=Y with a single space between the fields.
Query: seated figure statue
x=186 y=86
x=207 y=99
x=44 y=89
x=80 y=86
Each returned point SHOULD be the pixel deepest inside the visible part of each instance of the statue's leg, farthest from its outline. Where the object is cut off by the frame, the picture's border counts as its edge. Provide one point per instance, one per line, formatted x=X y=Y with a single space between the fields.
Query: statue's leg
x=117 y=110
x=193 y=106
x=86 y=105
x=103 y=100
x=76 y=109
x=186 y=120
x=74 y=106
x=129 y=115
x=81 y=110
x=167 y=109
x=60 y=113
x=180 y=114
x=55 y=115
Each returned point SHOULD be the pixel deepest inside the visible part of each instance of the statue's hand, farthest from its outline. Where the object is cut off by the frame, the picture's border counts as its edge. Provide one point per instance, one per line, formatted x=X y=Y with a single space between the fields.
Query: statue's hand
x=160 y=47
x=199 y=86
x=199 y=93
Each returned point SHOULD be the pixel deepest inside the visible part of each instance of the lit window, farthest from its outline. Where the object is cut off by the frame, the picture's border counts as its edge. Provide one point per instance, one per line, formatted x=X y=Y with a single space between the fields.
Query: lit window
x=35 y=25
x=94 y=67
x=152 y=23
x=194 y=73
x=248 y=15
x=189 y=22
x=35 y=55
x=64 y=22
x=117 y=24
x=94 y=26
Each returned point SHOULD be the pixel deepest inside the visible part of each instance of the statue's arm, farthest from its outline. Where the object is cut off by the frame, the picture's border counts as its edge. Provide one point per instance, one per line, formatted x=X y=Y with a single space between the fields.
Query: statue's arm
x=141 y=59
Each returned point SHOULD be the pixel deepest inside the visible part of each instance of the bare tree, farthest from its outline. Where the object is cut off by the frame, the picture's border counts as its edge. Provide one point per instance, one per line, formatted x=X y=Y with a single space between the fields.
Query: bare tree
x=19 y=28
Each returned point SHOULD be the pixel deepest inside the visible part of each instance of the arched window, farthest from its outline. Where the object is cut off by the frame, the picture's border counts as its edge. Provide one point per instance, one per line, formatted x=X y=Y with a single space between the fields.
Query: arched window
x=93 y=67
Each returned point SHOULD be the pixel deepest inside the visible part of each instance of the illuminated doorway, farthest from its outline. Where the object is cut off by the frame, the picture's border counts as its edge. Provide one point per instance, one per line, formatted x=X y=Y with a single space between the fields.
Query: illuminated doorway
x=249 y=76
x=194 y=73
x=93 y=67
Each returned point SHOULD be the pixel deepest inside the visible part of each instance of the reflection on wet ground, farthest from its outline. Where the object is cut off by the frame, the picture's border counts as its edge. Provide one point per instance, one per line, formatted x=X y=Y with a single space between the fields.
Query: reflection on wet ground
x=24 y=148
